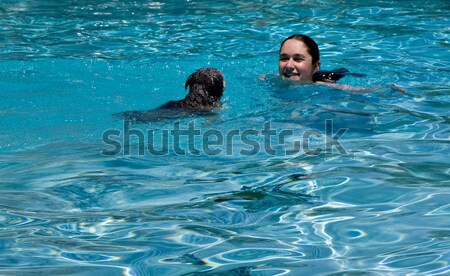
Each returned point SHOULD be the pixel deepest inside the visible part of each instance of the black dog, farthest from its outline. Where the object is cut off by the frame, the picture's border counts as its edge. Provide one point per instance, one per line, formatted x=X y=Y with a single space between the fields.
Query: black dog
x=206 y=87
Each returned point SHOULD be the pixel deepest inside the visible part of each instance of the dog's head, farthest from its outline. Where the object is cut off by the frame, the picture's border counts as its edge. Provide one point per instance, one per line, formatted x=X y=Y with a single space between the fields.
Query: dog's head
x=210 y=80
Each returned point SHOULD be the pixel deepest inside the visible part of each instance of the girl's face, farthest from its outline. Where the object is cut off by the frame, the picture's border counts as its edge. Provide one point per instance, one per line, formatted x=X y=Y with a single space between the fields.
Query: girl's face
x=296 y=62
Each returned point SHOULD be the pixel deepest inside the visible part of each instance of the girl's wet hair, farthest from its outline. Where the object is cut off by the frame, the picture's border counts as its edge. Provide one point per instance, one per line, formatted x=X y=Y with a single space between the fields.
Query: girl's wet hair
x=313 y=50
x=331 y=75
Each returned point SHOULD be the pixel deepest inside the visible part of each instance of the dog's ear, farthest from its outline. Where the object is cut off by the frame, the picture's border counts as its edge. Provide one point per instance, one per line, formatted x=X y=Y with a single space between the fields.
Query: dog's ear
x=188 y=81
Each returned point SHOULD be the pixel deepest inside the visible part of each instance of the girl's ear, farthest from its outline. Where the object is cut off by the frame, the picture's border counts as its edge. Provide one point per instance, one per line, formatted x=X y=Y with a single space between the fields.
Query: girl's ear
x=316 y=67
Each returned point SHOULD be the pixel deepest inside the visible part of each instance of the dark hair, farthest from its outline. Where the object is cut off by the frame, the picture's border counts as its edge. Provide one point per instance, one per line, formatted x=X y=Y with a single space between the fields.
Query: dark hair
x=313 y=49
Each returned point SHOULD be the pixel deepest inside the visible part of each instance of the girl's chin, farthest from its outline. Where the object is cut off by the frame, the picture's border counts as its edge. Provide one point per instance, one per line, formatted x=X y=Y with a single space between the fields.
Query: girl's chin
x=296 y=80
x=294 y=77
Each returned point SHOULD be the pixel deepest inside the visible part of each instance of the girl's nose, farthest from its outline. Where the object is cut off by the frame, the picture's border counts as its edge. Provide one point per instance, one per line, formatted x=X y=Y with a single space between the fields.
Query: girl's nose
x=290 y=63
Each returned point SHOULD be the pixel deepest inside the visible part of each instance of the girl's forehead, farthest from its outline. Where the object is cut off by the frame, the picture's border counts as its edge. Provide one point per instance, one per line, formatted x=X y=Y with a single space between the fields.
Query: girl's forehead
x=293 y=46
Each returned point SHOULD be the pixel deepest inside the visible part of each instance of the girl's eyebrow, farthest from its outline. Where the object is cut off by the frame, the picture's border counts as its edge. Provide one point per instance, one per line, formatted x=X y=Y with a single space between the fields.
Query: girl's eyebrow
x=294 y=56
x=299 y=56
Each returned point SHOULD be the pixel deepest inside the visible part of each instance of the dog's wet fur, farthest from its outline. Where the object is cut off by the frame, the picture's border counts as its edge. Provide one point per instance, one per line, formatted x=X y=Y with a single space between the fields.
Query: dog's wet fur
x=206 y=88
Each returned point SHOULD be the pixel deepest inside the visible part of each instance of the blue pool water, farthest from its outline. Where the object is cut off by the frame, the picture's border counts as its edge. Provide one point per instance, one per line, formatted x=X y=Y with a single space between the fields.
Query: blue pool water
x=376 y=203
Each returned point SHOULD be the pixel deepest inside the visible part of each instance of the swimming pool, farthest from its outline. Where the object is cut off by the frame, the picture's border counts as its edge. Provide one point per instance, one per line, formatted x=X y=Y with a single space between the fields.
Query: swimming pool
x=372 y=199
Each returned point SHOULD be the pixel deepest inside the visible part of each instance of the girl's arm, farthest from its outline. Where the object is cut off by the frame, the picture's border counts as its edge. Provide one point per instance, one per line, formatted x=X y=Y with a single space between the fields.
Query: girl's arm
x=361 y=90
